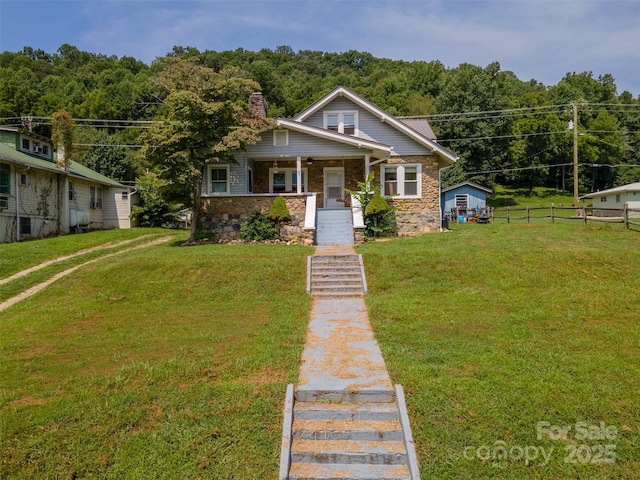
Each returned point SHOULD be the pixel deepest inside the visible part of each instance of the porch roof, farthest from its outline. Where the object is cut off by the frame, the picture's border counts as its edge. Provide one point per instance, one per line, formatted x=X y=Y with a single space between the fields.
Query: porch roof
x=377 y=149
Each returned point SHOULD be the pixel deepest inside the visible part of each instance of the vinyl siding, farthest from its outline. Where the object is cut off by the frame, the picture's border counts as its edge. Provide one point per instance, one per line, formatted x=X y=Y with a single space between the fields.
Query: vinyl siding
x=477 y=198
x=371 y=128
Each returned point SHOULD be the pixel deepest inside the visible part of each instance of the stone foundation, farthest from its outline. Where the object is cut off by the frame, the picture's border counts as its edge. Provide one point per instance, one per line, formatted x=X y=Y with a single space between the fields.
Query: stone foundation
x=225 y=215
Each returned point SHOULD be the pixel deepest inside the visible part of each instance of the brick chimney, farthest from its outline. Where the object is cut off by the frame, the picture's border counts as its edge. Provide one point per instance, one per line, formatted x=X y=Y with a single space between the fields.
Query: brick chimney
x=258 y=104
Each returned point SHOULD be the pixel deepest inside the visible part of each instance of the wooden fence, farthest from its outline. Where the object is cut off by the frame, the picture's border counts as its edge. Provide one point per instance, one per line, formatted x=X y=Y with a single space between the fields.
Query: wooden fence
x=630 y=216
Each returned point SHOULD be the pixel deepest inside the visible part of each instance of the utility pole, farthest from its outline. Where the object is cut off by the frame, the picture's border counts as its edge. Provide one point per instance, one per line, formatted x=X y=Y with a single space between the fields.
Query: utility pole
x=575 y=155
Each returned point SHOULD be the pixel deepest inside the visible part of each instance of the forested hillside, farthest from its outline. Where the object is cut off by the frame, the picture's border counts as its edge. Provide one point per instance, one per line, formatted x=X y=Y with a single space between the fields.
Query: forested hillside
x=503 y=128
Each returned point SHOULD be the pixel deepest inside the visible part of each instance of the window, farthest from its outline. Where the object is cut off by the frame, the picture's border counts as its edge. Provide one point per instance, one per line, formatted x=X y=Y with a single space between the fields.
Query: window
x=95 y=200
x=219 y=180
x=4 y=203
x=618 y=198
x=25 y=226
x=5 y=178
x=45 y=150
x=23 y=179
x=402 y=180
x=72 y=193
x=281 y=138
x=250 y=180
x=26 y=144
x=285 y=180
x=343 y=122
x=603 y=199
x=125 y=195
x=462 y=201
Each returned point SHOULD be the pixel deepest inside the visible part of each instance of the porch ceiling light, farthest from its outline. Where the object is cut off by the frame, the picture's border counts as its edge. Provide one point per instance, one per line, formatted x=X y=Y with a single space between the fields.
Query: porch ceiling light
x=309 y=160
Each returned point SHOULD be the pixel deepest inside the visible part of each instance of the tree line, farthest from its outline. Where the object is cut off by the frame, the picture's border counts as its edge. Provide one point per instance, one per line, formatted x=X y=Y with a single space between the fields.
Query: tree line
x=506 y=131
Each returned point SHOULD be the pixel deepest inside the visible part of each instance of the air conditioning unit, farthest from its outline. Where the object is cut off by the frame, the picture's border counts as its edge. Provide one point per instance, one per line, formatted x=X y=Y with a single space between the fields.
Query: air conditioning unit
x=4 y=203
x=38 y=149
x=92 y=204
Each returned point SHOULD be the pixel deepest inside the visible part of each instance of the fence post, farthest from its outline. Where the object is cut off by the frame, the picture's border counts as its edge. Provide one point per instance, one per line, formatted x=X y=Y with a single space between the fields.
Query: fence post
x=553 y=218
x=527 y=214
x=491 y=214
x=508 y=214
x=626 y=216
x=584 y=214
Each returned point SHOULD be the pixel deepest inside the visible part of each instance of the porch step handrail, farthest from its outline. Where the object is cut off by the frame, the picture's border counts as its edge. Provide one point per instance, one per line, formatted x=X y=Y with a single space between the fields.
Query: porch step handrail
x=356 y=212
x=310 y=213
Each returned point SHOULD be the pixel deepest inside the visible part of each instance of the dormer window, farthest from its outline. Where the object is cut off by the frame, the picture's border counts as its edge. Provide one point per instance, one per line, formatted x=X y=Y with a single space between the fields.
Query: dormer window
x=342 y=122
x=280 y=138
x=26 y=144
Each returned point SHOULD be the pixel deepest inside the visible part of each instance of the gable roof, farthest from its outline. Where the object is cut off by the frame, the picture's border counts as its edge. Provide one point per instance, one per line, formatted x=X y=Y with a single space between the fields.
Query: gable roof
x=75 y=169
x=419 y=135
x=469 y=184
x=630 y=187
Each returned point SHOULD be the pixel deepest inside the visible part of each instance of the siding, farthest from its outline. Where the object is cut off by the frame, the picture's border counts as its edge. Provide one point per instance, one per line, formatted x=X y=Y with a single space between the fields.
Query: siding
x=371 y=128
x=477 y=198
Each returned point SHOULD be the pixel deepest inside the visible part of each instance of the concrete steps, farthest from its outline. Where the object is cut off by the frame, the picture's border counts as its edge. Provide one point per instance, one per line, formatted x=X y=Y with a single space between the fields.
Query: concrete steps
x=334 y=227
x=347 y=441
x=334 y=276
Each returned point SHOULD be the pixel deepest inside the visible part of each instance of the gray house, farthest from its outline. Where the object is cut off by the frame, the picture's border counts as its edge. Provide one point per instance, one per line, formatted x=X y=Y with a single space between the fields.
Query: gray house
x=312 y=158
x=463 y=198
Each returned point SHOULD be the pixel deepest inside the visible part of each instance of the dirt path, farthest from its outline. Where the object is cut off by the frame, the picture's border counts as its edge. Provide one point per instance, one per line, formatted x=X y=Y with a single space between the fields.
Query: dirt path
x=67 y=257
x=36 y=288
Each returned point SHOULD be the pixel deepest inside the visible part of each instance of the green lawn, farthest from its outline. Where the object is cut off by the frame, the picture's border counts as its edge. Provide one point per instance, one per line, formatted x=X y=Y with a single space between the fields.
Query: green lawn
x=494 y=328
x=522 y=197
x=167 y=362
x=172 y=362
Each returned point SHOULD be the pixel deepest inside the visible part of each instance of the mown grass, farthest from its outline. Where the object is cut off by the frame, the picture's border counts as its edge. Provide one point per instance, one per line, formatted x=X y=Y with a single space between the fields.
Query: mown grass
x=494 y=328
x=18 y=256
x=167 y=362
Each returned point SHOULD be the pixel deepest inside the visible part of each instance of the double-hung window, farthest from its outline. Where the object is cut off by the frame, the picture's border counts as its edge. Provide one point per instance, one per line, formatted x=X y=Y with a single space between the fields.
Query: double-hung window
x=219 y=179
x=342 y=122
x=285 y=180
x=402 y=180
x=5 y=178
x=95 y=197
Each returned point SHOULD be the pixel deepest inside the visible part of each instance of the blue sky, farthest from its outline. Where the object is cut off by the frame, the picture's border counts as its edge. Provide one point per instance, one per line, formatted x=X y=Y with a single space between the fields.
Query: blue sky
x=537 y=39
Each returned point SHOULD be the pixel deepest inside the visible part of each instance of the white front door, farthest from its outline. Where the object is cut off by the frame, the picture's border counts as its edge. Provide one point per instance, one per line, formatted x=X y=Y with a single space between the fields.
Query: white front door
x=334 y=187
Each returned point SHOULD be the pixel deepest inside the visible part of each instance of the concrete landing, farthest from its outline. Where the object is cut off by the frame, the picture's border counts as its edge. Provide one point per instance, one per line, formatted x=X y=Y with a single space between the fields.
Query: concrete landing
x=341 y=360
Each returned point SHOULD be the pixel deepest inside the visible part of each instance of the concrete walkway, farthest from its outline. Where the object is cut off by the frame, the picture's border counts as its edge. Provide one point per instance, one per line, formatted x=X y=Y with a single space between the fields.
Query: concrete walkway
x=344 y=419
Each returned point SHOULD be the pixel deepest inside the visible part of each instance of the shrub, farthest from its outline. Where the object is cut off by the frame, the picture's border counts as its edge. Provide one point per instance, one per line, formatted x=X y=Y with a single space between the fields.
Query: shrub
x=257 y=227
x=279 y=212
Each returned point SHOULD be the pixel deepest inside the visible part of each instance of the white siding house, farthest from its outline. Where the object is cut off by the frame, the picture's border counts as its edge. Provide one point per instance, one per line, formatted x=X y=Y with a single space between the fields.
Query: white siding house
x=611 y=202
x=38 y=199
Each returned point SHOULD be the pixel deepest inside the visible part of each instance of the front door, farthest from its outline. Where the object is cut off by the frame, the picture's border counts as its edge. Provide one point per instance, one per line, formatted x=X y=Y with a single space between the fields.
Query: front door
x=334 y=187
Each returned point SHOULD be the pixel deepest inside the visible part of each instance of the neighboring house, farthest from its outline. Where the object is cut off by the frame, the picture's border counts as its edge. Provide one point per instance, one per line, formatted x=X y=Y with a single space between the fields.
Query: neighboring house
x=610 y=203
x=312 y=158
x=37 y=198
x=463 y=197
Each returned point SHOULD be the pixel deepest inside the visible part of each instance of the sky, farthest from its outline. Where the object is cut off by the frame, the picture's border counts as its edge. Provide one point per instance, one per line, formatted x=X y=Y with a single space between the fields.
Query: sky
x=535 y=39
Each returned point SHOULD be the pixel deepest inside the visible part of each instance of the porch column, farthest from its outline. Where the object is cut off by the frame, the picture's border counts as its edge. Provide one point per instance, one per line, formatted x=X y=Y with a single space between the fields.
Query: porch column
x=367 y=167
x=299 y=174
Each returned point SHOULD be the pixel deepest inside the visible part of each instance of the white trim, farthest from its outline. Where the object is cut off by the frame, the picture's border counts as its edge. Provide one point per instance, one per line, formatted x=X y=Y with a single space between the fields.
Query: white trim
x=326 y=170
x=288 y=180
x=276 y=134
x=209 y=183
x=341 y=124
x=401 y=169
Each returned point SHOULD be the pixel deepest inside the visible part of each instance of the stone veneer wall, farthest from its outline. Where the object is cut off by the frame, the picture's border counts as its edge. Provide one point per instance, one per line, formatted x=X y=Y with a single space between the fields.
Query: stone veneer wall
x=225 y=215
x=418 y=215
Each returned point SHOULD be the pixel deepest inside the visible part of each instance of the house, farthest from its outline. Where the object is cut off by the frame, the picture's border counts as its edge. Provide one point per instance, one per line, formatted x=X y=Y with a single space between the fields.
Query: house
x=38 y=198
x=611 y=202
x=314 y=157
x=462 y=198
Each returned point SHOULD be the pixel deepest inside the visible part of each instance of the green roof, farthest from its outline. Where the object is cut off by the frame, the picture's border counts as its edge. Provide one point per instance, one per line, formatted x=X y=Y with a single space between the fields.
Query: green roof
x=75 y=169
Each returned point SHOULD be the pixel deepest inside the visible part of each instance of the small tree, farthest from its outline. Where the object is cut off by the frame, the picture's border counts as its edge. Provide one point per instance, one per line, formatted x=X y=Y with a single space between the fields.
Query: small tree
x=257 y=227
x=153 y=210
x=376 y=209
x=279 y=212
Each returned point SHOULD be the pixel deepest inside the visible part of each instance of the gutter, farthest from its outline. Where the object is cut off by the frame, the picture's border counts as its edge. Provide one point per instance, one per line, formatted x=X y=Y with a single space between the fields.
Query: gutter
x=440 y=191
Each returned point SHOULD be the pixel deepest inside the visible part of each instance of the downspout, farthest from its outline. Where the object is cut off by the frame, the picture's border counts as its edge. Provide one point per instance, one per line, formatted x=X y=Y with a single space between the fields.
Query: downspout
x=440 y=191
x=17 y=206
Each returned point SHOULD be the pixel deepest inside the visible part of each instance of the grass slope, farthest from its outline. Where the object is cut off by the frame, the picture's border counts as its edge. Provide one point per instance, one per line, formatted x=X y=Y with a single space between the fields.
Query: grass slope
x=494 y=328
x=168 y=362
